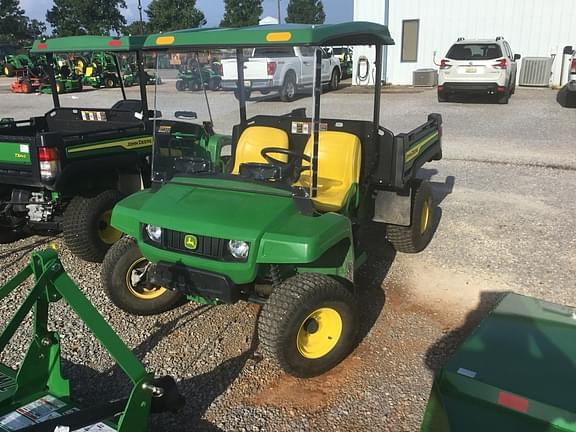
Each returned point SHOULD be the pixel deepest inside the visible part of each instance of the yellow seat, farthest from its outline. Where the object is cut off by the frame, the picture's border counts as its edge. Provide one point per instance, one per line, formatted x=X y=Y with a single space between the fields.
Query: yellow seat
x=89 y=71
x=256 y=138
x=339 y=162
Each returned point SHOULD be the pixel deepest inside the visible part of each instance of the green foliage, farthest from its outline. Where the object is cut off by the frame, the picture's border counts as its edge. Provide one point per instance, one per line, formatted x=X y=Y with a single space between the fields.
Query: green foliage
x=15 y=27
x=306 y=12
x=240 y=13
x=167 y=15
x=79 y=17
x=136 y=28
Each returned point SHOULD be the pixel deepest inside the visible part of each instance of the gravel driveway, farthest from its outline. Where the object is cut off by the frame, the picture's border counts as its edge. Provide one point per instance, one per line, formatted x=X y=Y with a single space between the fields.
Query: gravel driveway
x=506 y=223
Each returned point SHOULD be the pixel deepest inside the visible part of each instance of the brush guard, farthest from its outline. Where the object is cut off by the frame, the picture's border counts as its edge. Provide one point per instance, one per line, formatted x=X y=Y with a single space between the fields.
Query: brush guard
x=36 y=397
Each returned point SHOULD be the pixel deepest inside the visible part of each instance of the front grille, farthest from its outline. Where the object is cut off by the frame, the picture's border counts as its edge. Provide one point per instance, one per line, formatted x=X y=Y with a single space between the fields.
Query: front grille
x=209 y=247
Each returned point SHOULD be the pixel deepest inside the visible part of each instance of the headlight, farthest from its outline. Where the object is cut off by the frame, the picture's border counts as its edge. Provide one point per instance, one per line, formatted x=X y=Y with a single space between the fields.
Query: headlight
x=154 y=233
x=239 y=249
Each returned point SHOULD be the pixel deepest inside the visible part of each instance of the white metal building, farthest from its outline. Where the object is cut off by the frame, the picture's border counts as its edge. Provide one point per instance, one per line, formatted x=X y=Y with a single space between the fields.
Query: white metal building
x=424 y=30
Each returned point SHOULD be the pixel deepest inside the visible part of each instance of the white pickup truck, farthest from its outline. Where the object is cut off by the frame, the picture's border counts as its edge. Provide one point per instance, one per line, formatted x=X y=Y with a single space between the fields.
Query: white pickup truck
x=283 y=69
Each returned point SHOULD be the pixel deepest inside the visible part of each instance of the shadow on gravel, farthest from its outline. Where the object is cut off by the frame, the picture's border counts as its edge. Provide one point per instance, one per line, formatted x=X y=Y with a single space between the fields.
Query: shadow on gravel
x=443 y=348
x=440 y=189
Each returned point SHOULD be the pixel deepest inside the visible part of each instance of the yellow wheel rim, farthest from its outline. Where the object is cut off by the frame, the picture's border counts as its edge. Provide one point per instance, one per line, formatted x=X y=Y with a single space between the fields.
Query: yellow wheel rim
x=134 y=273
x=6 y=71
x=425 y=218
x=319 y=333
x=107 y=233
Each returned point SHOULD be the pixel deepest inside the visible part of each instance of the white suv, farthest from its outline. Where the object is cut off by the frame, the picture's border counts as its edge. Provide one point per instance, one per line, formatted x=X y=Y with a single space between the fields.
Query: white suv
x=484 y=66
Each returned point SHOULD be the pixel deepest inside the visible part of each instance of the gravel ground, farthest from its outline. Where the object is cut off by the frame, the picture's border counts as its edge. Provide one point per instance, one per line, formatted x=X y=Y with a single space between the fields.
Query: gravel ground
x=505 y=223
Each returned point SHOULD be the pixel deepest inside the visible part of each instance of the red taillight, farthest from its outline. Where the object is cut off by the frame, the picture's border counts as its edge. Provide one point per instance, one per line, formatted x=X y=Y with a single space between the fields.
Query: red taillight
x=46 y=154
x=573 y=66
x=513 y=401
x=445 y=64
x=271 y=68
x=502 y=64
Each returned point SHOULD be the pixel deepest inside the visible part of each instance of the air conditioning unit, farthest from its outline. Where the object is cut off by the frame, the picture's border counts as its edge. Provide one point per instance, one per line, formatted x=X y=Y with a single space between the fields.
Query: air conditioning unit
x=425 y=78
x=536 y=71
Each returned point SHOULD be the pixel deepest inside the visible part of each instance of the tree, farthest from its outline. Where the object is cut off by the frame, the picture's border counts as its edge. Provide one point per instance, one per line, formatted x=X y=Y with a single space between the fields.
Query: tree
x=78 y=17
x=240 y=13
x=305 y=12
x=15 y=27
x=167 y=15
x=136 y=28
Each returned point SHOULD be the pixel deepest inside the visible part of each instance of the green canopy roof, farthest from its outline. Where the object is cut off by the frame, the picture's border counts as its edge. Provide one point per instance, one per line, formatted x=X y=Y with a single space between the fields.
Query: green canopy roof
x=87 y=43
x=351 y=33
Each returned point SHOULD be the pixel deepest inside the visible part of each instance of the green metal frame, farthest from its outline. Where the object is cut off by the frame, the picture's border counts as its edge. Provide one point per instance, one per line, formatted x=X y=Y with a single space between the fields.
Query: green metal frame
x=39 y=373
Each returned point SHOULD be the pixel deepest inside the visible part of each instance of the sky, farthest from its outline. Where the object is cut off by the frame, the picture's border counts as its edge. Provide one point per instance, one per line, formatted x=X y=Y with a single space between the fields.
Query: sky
x=336 y=10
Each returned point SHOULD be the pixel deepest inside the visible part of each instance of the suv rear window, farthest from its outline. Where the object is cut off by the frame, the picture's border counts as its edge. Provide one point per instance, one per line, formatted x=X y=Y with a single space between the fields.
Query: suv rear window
x=273 y=52
x=474 y=52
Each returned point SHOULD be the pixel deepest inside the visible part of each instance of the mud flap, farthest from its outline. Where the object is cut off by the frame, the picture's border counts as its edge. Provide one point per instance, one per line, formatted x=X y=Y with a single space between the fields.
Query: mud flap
x=515 y=372
x=392 y=207
x=567 y=95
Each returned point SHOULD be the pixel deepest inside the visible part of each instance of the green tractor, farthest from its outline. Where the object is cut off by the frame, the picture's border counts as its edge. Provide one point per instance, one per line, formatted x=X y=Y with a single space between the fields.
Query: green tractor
x=106 y=70
x=16 y=62
x=67 y=80
x=283 y=223
x=515 y=372
x=195 y=76
x=36 y=396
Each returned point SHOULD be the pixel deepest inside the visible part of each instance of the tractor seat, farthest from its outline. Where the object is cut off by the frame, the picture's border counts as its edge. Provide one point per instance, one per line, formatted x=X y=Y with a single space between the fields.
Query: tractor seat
x=253 y=140
x=339 y=161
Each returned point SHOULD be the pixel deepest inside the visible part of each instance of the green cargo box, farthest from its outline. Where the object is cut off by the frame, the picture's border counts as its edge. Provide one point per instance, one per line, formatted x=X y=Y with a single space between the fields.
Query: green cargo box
x=515 y=372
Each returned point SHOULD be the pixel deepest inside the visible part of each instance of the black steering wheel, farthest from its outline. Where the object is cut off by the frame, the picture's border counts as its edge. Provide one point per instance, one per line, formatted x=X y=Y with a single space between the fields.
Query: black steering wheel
x=292 y=157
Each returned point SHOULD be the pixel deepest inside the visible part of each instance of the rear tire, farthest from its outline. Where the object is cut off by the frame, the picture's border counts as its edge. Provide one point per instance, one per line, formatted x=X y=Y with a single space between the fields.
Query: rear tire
x=288 y=89
x=214 y=83
x=247 y=94
x=442 y=97
x=27 y=86
x=180 y=85
x=8 y=70
x=415 y=238
x=87 y=230
x=309 y=324
x=110 y=82
x=504 y=98
x=122 y=267
x=334 y=80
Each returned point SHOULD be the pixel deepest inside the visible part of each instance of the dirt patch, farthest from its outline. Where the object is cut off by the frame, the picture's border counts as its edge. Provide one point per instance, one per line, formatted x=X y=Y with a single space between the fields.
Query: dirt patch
x=312 y=394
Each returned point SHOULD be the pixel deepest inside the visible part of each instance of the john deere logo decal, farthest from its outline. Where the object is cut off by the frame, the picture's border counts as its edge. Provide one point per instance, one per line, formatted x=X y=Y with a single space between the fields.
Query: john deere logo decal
x=191 y=242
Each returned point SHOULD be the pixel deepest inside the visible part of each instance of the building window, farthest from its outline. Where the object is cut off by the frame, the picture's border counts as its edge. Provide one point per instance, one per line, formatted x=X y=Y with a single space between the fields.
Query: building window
x=410 y=40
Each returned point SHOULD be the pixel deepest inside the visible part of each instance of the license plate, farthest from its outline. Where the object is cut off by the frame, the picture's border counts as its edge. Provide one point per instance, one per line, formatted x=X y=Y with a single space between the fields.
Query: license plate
x=471 y=70
x=247 y=83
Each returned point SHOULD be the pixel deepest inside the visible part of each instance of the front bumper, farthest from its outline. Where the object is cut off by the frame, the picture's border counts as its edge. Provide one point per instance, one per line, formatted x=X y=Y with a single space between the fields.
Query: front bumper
x=190 y=281
x=471 y=87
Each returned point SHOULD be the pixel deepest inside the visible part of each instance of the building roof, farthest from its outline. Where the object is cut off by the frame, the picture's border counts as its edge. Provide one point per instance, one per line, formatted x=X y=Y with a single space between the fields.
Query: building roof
x=87 y=43
x=350 y=33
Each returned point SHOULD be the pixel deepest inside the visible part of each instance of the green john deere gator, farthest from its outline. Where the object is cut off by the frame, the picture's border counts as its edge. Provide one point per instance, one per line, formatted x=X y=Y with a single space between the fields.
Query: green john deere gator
x=282 y=224
x=36 y=397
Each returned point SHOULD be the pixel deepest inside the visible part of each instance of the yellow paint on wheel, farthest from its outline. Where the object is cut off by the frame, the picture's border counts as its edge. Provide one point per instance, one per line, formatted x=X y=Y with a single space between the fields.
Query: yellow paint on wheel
x=144 y=293
x=319 y=333
x=107 y=233
x=425 y=217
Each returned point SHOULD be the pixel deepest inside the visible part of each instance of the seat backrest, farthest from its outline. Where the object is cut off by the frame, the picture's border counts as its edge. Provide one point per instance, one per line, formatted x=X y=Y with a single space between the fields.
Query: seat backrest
x=256 y=138
x=339 y=163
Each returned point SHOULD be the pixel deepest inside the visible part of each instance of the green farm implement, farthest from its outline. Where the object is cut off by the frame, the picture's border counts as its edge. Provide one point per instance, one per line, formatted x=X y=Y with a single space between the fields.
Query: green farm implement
x=195 y=76
x=36 y=397
x=515 y=372
x=283 y=223
x=16 y=62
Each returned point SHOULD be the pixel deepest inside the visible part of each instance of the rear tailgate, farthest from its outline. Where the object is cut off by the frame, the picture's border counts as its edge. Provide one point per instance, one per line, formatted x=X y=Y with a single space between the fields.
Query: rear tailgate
x=475 y=71
x=254 y=68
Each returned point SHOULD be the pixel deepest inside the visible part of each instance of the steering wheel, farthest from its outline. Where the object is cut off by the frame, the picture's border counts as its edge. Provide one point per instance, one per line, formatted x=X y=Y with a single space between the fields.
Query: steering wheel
x=292 y=157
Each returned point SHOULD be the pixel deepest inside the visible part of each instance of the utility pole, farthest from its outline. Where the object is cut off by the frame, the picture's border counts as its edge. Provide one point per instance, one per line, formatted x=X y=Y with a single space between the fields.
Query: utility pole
x=140 y=12
x=279 y=17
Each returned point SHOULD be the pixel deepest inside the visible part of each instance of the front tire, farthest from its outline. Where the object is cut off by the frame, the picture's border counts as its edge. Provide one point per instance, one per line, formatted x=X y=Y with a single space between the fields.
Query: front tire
x=87 y=230
x=334 y=80
x=415 y=238
x=124 y=280
x=9 y=70
x=309 y=324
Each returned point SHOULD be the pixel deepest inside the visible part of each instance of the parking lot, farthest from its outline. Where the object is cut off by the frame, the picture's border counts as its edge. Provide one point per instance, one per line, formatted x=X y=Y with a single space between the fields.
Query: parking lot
x=506 y=218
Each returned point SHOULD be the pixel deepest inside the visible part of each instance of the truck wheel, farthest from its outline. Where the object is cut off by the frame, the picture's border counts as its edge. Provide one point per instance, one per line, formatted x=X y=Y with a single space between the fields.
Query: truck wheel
x=8 y=70
x=288 y=89
x=334 y=80
x=415 y=238
x=504 y=98
x=124 y=280
x=442 y=97
x=247 y=93
x=309 y=324
x=87 y=230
